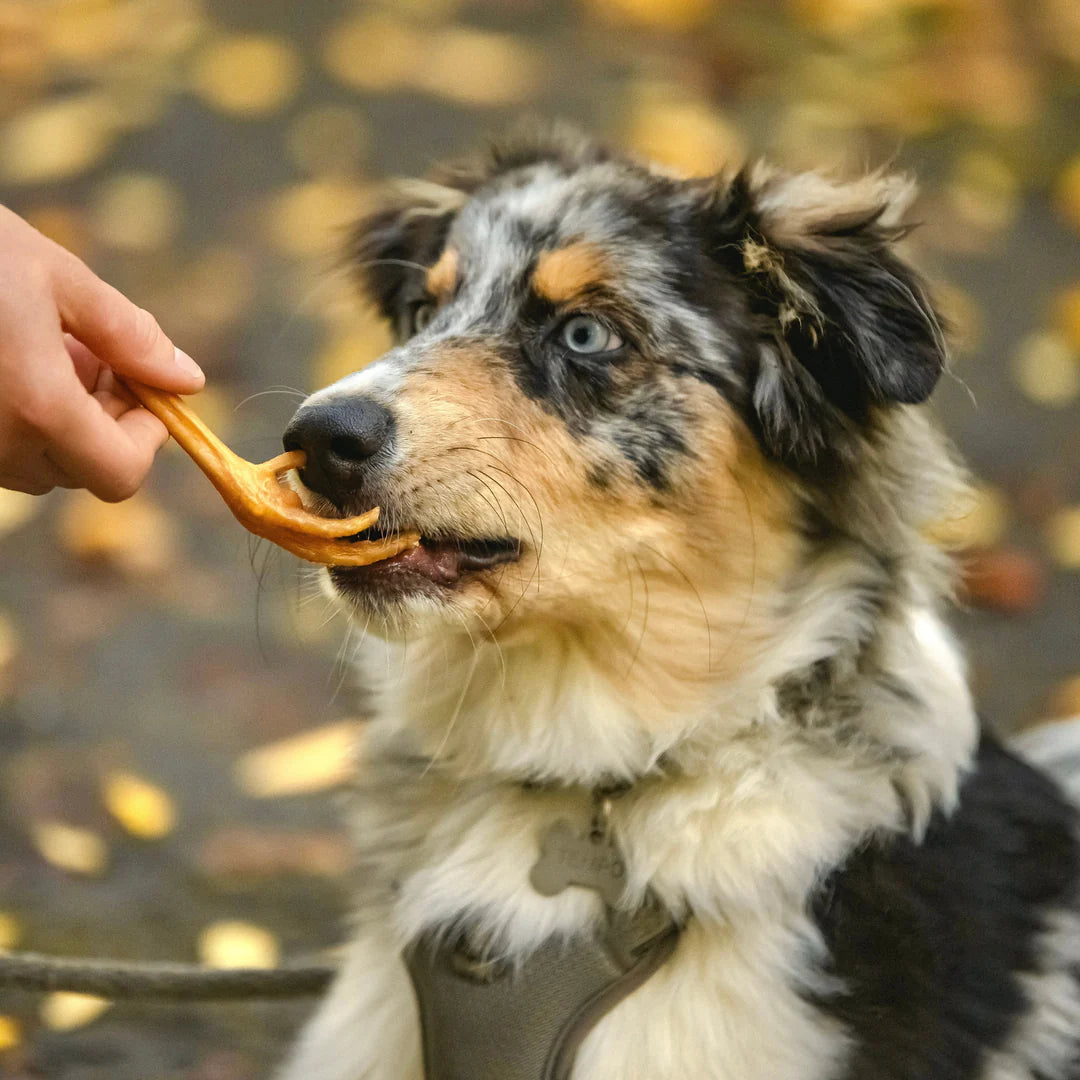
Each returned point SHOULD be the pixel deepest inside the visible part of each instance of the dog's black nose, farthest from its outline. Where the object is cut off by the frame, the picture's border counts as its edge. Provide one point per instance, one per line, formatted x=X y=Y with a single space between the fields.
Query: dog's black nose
x=339 y=438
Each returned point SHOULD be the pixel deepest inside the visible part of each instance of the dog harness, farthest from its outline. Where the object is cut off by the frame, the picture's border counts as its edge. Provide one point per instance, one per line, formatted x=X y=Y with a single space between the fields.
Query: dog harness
x=490 y=1019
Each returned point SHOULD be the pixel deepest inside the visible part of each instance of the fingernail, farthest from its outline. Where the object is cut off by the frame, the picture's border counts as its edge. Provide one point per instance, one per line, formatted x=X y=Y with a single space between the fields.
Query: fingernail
x=187 y=365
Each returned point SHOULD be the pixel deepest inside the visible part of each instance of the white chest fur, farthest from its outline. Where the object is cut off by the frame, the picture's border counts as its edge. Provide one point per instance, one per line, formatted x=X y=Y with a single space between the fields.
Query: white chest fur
x=735 y=836
x=732 y=1002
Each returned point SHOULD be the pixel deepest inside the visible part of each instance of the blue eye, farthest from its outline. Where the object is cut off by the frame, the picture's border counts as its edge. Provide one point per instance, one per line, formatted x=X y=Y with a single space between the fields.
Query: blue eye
x=585 y=335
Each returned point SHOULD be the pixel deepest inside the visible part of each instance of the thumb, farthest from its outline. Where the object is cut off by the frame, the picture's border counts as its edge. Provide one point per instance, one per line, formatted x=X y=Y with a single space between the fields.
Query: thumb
x=123 y=335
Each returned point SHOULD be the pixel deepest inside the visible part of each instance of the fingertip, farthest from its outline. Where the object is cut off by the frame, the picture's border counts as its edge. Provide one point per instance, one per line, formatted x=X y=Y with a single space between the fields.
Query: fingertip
x=189 y=370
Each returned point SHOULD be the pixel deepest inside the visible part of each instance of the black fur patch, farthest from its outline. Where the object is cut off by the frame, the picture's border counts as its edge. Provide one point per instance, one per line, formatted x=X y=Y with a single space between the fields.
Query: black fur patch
x=650 y=435
x=842 y=325
x=928 y=939
x=879 y=342
x=390 y=249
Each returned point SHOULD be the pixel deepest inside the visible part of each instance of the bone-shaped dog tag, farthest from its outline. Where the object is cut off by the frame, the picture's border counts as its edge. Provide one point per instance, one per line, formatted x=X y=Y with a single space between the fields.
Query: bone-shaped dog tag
x=569 y=857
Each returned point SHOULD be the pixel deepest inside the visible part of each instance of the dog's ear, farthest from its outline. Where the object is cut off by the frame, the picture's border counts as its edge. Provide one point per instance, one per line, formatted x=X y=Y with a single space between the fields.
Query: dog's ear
x=389 y=249
x=842 y=323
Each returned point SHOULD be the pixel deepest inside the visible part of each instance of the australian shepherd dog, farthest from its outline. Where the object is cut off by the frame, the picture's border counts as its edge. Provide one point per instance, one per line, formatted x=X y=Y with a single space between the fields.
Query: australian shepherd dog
x=663 y=440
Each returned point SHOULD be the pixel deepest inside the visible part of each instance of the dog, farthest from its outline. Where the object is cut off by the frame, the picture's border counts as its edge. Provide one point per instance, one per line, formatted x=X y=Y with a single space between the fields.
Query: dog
x=677 y=597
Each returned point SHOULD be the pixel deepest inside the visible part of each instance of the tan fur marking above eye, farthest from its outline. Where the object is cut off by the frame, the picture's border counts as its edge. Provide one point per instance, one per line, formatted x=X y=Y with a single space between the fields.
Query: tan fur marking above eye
x=563 y=274
x=442 y=277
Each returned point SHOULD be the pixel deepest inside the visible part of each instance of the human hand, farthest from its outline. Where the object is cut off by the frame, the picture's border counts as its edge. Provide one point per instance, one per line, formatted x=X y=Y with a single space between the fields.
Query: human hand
x=65 y=420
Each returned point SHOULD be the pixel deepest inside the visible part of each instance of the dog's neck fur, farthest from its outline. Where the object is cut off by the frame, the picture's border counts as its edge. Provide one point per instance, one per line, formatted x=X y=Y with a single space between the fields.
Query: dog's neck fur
x=855 y=719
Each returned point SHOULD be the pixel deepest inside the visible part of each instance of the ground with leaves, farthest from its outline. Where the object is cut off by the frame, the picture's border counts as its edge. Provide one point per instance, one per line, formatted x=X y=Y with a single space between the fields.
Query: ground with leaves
x=173 y=710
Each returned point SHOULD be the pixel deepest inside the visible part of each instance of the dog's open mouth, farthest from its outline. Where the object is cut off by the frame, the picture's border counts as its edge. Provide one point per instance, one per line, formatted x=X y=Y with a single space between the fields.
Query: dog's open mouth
x=437 y=560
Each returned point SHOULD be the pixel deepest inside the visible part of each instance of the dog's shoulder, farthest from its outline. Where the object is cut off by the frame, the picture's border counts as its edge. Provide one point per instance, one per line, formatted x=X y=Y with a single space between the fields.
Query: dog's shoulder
x=958 y=955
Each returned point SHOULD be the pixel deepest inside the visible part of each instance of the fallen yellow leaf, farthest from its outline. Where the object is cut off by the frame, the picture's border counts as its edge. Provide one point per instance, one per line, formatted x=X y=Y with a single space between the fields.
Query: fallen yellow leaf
x=89 y=31
x=984 y=190
x=64 y=1011
x=10 y=930
x=1063 y=536
x=1047 y=370
x=143 y=809
x=478 y=67
x=22 y=44
x=313 y=761
x=69 y=847
x=135 y=212
x=235 y=944
x=247 y=75
x=841 y=17
x=997 y=87
x=309 y=219
x=372 y=51
x=10 y=1035
x=689 y=137
x=135 y=537
x=61 y=138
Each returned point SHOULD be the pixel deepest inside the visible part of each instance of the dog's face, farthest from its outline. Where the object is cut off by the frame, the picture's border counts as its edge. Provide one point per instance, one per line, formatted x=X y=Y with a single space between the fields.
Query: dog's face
x=611 y=387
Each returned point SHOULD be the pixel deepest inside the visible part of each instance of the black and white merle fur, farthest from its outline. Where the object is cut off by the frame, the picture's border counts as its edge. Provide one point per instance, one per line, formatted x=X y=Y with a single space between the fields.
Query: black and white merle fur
x=714 y=585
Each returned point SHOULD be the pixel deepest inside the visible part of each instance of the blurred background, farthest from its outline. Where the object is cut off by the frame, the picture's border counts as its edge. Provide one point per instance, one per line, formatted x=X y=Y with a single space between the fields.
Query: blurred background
x=174 y=710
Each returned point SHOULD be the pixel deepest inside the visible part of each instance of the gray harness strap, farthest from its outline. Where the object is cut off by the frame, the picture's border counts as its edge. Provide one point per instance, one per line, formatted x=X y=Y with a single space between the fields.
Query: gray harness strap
x=482 y=1020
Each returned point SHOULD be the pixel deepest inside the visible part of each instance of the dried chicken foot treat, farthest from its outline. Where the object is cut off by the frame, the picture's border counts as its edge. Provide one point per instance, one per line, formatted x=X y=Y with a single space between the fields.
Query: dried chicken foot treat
x=259 y=499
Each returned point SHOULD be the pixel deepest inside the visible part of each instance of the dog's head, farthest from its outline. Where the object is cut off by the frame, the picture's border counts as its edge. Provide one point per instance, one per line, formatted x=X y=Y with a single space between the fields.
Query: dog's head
x=610 y=382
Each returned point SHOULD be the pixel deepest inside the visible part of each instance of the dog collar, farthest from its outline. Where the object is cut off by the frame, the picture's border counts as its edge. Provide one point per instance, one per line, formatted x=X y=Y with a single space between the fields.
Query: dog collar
x=490 y=1019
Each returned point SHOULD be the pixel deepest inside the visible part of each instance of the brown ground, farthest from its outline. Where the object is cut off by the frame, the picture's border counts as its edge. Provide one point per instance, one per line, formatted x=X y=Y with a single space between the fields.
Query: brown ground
x=171 y=661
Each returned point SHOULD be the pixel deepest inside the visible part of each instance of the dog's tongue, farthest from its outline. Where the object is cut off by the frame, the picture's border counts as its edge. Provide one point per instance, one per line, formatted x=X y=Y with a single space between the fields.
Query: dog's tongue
x=440 y=562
